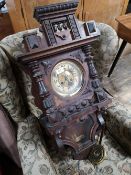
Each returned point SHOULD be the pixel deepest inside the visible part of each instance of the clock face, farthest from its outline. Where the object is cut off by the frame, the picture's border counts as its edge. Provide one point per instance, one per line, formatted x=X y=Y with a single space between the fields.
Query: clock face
x=67 y=78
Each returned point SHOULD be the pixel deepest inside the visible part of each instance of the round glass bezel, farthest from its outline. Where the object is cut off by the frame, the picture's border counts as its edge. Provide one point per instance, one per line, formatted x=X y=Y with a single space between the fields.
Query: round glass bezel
x=72 y=92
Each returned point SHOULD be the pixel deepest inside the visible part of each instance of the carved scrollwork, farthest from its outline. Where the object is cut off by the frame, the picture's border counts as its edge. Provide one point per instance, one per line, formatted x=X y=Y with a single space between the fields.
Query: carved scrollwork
x=78 y=55
x=46 y=65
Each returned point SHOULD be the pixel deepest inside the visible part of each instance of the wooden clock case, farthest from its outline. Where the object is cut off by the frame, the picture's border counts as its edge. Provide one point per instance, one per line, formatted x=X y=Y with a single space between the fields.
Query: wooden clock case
x=72 y=121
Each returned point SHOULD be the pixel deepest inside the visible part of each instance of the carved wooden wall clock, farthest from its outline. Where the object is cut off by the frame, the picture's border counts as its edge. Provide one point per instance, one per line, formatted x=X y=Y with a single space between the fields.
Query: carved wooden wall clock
x=65 y=82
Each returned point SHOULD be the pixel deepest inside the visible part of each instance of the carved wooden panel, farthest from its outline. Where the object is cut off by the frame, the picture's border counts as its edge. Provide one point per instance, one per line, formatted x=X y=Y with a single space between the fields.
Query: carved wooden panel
x=65 y=82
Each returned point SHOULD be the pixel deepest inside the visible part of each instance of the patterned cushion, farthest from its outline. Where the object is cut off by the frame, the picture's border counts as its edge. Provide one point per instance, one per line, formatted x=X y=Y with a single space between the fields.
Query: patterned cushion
x=12 y=46
x=9 y=93
x=36 y=160
x=119 y=113
x=33 y=155
x=105 y=49
x=119 y=124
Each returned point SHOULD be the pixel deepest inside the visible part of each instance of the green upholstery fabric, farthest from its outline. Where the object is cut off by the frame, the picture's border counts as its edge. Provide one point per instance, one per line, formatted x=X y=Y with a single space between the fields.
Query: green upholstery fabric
x=33 y=154
x=10 y=96
x=105 y=49
x=12 y=47
x=119 y=124
x=36 y=160
x=119 y=113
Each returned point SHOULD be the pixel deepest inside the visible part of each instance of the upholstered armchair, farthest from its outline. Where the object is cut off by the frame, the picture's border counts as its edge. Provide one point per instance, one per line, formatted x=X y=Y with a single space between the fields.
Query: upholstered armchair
x=35 y=156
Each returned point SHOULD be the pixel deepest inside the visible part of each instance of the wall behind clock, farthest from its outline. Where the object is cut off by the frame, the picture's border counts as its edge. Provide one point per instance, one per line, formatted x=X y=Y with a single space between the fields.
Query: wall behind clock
x=21 y=11
x=101 y=10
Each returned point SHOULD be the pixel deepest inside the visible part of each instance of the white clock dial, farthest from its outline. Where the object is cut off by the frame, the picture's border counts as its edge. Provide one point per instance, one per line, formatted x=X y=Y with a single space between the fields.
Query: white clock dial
x=66 y=78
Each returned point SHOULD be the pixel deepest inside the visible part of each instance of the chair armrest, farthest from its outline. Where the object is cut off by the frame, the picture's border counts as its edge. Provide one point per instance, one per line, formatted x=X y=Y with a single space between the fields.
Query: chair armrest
x=119 y=124
x=105 y=49
x=33 y=155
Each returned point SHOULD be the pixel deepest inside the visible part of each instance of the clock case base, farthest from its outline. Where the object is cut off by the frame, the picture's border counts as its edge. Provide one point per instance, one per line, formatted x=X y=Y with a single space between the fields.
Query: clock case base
x=82 y=144
x=77 y=121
